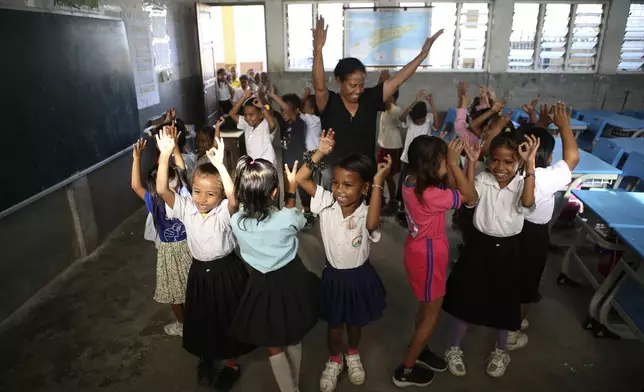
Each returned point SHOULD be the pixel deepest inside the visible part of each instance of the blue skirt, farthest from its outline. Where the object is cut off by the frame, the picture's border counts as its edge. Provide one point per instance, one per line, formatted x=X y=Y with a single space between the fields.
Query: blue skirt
x=353 y=296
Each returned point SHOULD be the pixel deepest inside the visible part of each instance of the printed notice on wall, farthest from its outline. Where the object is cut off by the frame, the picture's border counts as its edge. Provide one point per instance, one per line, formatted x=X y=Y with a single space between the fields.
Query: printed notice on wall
x=137 y=25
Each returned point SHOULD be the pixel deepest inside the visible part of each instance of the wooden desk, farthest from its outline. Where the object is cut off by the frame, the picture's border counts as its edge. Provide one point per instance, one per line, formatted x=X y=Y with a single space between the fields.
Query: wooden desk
x=233 y=148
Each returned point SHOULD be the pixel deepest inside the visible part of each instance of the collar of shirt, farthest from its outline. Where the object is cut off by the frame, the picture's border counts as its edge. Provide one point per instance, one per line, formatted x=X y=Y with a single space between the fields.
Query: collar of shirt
x=514 y=186
x=192 y=209
x=360 y=212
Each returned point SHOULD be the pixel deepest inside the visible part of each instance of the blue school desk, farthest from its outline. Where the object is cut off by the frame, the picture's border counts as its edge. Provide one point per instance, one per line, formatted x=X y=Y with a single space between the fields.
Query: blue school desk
x=623 y=289
x=629 y=144
x=591 y=172
x=619 y=211
x=625 y=123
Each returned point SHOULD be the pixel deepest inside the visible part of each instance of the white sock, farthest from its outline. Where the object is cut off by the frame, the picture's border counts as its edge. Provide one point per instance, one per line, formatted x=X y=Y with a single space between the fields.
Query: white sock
x=294 y=354
x=282 y=372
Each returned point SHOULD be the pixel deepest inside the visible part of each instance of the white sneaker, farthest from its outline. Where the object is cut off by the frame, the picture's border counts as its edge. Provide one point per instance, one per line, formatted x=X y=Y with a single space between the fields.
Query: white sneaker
x=329 y=378
x=517 y=340
x=454 y=359
x=498 y=363
x=356 y=371
x=524 y=324
x=174 y=329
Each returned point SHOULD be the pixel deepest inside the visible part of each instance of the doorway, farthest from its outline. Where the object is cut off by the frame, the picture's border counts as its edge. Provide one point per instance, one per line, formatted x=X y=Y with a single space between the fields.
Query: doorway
x=229 y=36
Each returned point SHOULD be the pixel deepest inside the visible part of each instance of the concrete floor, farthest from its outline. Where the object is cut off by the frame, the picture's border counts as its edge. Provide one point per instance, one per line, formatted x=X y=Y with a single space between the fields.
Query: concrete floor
x=100 y=330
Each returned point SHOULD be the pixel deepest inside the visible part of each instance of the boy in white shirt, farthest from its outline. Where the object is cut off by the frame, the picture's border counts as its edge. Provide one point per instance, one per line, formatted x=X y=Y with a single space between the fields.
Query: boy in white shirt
x=313 y=122
x=259 y=127
x=390 y=143
x=419 y=122
x=243 y=86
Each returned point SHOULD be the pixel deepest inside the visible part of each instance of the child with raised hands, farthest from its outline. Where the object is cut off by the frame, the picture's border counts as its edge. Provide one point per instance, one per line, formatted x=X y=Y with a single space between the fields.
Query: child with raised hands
x=535 y=236
x=436 y=184
x=217 y=276
x=173 y=255
x=258 y=124
x=353 y=295
x=280 y=304
x=484 y=286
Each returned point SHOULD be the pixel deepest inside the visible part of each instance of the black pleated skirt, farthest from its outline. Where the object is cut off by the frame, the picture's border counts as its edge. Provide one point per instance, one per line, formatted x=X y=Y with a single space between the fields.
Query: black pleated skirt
x=484 y=286
x=214 y=291
x=353 y=296
x=278 y=308
x=535 y=241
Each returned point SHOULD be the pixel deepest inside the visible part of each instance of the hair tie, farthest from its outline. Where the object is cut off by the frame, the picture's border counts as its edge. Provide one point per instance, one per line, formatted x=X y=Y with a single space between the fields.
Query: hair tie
x=252 y=161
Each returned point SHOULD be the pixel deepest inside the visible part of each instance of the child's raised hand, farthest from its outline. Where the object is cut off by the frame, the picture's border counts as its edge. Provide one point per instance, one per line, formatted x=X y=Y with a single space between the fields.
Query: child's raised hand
x=165 y=143
x=220 y=122
x=528 y=149
x=430 y=99
x=532 y=106
x=454 y=150
x=258 y=104
x=216 y=154
x=484 y=98
x=271 y=92
x=290 y=174
x=172 y=131
x=138 y=148
x=473 y=152
x=327 y=142
x=491 y=94
x=545 y=116
x=499 y=105
x=384 y=75
x=420 y=96
x=247 y=93
x=561 y=115
x=383 y=170
x=307 y=91
x=319 y=33
x=461 y=88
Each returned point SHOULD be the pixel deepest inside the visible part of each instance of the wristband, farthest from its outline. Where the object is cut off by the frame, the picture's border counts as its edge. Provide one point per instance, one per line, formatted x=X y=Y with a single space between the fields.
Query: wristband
x=529 y=175
x=378 y=186
x=290 y=195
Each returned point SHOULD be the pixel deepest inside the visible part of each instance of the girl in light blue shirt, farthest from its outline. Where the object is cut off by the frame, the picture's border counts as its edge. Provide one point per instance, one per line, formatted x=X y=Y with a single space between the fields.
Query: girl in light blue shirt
x=280 y=303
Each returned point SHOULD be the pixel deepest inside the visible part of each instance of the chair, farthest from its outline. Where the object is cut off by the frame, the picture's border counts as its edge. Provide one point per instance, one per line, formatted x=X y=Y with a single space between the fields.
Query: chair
x=450 y=117
x=634 y=171
x=576 y=115
x=591 y=135
x=608 y=152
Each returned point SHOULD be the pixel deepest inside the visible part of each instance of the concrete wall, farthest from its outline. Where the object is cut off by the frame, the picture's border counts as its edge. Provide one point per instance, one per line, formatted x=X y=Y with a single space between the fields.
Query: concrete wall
x=43 y=239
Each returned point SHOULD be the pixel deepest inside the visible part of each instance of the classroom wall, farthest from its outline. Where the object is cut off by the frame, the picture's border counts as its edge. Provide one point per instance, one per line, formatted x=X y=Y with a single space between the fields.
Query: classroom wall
x=41 y=240
x=606 y=89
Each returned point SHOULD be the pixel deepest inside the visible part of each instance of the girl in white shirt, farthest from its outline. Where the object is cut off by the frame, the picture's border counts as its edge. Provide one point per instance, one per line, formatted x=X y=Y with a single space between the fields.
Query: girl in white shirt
x=225 y=91
x=483 y=288
x=352 y=293
x=549 y=179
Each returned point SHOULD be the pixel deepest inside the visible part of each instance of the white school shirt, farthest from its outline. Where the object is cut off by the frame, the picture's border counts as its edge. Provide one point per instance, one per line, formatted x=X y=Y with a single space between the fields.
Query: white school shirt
x=547 y=182
x=414 y=131
x=390 y=136
x=313 y=131
x=346 y=240
x=210 y=237
x=224 y=93
x=239 y=93
x=259 y=140
x=499 y=212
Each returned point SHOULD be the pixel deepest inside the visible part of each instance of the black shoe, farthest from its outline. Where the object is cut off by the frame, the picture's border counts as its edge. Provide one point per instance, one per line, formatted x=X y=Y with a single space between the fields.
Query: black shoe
x=227 y=377
x=430 y=360
x=412 y=377
x=205 y=372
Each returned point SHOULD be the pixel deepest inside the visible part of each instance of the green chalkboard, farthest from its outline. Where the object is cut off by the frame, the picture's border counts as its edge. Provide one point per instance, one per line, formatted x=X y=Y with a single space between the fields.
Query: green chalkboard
x=67 y=98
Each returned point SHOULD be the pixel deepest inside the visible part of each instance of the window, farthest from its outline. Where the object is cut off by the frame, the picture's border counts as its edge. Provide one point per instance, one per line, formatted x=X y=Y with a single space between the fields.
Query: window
x=462 y=46
x=555 y=37
x=632 y=56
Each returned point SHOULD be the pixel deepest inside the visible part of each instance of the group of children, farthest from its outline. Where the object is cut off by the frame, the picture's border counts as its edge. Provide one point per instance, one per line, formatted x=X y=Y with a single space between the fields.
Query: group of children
x=228 y=304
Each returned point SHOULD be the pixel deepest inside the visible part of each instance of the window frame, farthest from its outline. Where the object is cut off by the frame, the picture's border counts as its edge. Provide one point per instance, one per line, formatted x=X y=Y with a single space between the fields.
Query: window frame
x=539 y=30
x=422 y=68
x=619 y=71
